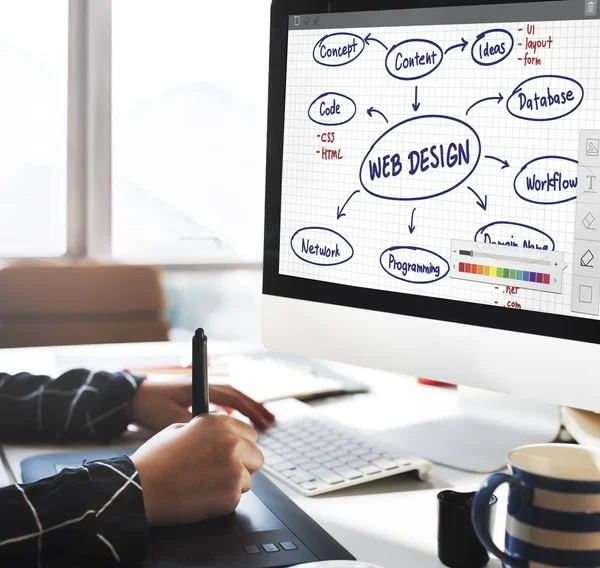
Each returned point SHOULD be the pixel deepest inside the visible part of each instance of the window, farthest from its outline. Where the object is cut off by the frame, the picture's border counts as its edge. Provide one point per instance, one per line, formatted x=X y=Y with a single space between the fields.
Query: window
x=33 y=133
x=133 y=130
x=189 y=99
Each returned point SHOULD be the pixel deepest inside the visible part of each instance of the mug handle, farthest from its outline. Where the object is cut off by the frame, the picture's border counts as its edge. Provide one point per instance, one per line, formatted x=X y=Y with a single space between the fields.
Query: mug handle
x=480 y=515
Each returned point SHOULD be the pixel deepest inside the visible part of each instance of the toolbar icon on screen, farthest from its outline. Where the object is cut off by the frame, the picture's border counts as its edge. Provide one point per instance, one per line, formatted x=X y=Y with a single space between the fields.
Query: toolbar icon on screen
x=590 y=7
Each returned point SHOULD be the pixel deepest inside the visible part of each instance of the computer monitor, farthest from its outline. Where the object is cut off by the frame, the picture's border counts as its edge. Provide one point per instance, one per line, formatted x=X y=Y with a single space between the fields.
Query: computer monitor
x=433 y=200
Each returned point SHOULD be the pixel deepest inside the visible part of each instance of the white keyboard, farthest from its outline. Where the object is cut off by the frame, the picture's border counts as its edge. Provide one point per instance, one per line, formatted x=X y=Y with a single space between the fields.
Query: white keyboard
x=315 y=455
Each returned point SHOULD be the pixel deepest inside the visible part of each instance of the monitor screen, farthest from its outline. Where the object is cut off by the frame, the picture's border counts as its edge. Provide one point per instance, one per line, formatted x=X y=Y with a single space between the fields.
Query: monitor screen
x=448 y=153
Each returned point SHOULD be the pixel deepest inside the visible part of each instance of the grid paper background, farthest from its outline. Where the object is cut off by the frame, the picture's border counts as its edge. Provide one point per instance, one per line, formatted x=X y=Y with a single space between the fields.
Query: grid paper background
x=313 y=189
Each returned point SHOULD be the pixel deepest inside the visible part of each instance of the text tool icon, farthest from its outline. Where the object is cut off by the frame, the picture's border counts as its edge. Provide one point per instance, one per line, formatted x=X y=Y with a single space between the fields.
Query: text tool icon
x=592 y=186
x=592 y=147
x=586 y=259
x=588 y=222
x=296 y=20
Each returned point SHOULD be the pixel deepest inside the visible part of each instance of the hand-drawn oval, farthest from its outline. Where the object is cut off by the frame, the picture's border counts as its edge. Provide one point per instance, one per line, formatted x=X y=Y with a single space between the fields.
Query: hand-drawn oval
x=414 y=265
x=411 y=161
x=545 y=97
x=492 y=47
x=321 y=246
x=340 y=48
x=413 y=59
x=549 y=180
x=507 y=233
x=332 y=109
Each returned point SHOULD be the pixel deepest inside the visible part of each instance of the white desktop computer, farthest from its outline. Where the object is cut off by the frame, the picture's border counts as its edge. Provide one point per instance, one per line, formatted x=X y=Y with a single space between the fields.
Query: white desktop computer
x=433 y=205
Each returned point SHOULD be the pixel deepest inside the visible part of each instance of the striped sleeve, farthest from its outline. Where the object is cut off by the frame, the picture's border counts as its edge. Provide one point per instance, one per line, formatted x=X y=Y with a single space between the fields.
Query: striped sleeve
x=89 y=516
x=80 y=405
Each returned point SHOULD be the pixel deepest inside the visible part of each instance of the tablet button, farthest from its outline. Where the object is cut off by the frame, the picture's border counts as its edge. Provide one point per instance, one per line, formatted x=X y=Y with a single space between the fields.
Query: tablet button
x=252 y=549
x=270 y=548
x=288 y=545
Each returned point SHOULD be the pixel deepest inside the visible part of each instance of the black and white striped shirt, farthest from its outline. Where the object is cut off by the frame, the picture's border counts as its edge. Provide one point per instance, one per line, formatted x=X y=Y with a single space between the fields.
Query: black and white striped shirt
x=90 y=516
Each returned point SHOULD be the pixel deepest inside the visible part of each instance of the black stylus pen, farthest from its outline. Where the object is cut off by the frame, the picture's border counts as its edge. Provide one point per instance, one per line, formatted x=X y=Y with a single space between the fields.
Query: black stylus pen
x=199 y=374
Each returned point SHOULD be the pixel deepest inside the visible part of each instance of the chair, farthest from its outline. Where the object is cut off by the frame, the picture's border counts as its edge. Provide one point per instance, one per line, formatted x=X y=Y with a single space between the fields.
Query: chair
x=80 y=303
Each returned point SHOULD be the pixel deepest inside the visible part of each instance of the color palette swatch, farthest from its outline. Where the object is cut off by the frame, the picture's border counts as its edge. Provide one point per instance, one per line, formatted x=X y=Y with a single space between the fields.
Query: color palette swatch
x=505 y=273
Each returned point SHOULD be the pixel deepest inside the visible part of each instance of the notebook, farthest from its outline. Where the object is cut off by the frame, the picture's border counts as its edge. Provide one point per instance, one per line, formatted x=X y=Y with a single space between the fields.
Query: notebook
x=582 y=425
x=267 y=378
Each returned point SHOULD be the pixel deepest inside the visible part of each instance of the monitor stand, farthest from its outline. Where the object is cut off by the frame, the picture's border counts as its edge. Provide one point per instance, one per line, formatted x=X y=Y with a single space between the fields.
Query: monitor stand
x=481 y=434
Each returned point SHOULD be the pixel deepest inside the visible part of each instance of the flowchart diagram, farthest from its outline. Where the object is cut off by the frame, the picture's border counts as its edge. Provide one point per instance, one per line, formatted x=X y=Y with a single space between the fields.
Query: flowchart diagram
x=425 y=158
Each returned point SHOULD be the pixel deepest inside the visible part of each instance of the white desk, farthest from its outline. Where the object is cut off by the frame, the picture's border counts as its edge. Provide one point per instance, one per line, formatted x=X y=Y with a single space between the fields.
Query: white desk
x=391 y=523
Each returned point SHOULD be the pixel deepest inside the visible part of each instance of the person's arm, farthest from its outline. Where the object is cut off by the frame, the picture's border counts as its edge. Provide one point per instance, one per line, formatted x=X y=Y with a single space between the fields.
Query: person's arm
x=98 y=514
x=89 y=516
x=79 y=405
x=83 y=405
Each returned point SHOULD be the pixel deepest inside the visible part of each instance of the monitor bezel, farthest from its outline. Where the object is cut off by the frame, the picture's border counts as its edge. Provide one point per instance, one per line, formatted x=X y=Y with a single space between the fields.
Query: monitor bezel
x=275 y=284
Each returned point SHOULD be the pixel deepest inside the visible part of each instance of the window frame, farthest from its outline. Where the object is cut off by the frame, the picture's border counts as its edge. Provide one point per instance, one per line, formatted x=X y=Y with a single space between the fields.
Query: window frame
x=89 y=149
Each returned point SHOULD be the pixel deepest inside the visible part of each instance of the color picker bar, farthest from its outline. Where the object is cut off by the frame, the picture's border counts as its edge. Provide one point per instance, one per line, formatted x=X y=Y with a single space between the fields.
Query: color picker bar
x=505 y=273
x=521 y=267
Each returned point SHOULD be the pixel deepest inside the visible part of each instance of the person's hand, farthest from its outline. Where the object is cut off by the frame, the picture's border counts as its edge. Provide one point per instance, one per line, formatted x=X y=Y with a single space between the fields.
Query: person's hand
x=195 y=471
x=228 y=397
x=158 y=403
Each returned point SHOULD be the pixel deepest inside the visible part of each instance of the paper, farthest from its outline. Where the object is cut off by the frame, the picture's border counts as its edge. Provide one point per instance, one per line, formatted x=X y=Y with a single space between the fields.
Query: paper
x=582 y=425
x=115 y=357
x=266 y=380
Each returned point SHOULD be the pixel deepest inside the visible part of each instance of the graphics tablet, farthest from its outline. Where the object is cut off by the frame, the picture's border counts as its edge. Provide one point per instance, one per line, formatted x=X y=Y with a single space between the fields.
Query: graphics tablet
x=267 y=530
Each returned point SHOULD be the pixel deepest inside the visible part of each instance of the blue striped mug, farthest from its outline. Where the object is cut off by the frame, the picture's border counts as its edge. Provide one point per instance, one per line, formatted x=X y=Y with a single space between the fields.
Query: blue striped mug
x=553 y=507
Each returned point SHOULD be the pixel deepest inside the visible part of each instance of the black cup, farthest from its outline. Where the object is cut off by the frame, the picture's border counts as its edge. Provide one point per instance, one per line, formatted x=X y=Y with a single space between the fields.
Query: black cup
x=458 y=546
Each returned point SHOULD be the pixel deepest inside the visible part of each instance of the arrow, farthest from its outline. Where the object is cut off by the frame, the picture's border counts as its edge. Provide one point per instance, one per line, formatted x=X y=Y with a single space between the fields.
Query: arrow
x=412 y=227
x=463 y=43
x=340 y=212
x=416 y=104
x=480 y=202
x=369 y=38
x=504 y=163
x=499 y=98
x=372 y=110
